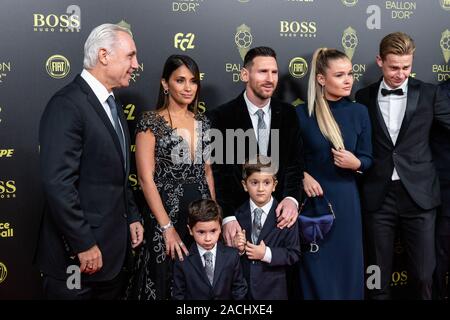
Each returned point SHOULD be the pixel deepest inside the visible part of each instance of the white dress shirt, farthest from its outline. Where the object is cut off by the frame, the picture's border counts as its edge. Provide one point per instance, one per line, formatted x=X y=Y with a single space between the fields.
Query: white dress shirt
x=202 y=251
x=393 y=109
x=102 y=95
x=266 y=209
x=252 y=109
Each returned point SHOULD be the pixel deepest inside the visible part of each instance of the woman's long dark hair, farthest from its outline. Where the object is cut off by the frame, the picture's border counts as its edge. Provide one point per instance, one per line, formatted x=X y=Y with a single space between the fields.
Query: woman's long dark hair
x=173 y=63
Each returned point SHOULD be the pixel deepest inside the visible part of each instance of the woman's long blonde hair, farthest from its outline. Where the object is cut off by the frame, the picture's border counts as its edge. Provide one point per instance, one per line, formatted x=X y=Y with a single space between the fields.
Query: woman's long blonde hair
x=317 y=104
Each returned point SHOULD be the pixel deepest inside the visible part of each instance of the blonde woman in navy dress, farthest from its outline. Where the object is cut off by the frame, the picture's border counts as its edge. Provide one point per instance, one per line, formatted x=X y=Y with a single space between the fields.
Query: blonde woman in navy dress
x=337 y=148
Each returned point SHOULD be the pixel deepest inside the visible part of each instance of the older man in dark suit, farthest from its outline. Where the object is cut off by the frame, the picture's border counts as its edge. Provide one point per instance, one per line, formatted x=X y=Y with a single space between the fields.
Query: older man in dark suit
x=401 y=189
x=90 y=213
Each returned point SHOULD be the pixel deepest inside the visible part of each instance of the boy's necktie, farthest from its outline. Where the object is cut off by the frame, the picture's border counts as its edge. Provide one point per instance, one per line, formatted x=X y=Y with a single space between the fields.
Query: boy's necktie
x=209 y=267
x=256 y=225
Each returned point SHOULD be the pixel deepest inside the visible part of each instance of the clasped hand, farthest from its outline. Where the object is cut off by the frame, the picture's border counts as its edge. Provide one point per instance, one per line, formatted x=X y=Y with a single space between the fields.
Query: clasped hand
x=253 y=251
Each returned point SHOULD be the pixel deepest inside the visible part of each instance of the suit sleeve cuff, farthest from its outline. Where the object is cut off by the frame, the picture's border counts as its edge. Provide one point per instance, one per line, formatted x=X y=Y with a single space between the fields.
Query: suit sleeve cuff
x=293 y=199
x=228 y=219
x=267 y=256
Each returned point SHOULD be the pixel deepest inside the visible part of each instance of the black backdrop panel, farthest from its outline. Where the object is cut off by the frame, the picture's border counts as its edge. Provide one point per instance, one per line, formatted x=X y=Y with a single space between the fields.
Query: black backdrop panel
x=42 y=50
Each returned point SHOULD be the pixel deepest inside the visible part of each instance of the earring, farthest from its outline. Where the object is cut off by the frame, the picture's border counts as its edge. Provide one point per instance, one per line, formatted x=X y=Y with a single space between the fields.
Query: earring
x=166 y=91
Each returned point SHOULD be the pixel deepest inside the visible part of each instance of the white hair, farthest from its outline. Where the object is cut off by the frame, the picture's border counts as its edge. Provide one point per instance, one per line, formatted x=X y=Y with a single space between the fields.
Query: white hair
x=102 y=37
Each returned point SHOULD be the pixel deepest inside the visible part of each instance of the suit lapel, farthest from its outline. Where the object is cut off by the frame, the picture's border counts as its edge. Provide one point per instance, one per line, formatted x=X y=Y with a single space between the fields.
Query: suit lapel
x=242 y=116
x=244 y=122
x=123 y=123
x=375 y=107
x=95 y=103
x=411 y=106
x=275 y=121
x=196 y=261
x=245 y=219
x=219 y=263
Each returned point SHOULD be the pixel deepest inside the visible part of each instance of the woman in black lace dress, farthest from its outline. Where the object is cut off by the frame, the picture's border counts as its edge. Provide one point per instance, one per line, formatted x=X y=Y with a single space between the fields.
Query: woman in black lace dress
x=172 y=149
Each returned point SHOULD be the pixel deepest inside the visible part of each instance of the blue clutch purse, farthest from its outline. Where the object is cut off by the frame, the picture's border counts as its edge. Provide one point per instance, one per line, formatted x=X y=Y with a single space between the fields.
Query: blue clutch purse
x=313 y=229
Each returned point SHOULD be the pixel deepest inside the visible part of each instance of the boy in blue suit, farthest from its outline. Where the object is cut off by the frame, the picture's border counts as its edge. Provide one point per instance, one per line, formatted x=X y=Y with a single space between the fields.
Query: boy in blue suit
x=211 y=271
x=266 y=257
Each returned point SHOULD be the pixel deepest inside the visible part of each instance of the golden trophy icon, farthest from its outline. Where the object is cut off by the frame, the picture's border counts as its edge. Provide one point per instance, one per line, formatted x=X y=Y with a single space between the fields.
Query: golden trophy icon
x=349 y=41
x=445 y=45
x=349 y=3
x=124 y=24
x=243 y=39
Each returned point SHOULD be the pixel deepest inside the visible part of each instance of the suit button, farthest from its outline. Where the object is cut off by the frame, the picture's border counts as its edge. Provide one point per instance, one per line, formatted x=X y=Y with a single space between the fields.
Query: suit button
x=124 y=215
x=394 y=153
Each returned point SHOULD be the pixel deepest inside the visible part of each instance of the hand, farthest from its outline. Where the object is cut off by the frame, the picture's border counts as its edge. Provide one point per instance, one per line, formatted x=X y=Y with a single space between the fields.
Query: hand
x=174 y=244
x=345 y=159
x=255 y=252
x=90 y=260
x=311 y=186
x=229 y=230
x=137 y=234
x=287 y=213
x=239 y=241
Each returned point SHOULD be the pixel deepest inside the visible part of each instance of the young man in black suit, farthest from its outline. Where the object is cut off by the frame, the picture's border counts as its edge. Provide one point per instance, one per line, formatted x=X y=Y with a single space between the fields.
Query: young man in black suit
x=401 y=189
x=211 y=271
x=440 y=144
x=272 y=129
x=90 y=213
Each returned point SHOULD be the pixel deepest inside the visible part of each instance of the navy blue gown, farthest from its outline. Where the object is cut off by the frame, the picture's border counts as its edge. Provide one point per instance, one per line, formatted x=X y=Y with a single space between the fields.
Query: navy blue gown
x=336 y=271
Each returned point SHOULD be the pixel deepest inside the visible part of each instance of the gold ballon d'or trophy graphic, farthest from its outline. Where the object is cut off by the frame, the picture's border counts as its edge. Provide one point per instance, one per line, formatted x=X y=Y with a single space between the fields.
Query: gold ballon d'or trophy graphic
x=3 y=272
x=349 y=3
x=243 y=39
x=445 y=45
x=349 y=41
x=124 y=24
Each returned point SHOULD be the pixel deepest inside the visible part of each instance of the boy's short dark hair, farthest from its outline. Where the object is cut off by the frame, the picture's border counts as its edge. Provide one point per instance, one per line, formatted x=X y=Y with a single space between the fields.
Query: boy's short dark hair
x=258 y=164
x=258 y=52
x=204 y=210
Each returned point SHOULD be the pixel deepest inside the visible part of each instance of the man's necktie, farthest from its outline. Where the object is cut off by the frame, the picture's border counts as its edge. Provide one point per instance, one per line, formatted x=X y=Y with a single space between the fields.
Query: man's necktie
x=256 y=225
x=263 y=133
x=209 y=266
x=398 y=92
x=113 y=106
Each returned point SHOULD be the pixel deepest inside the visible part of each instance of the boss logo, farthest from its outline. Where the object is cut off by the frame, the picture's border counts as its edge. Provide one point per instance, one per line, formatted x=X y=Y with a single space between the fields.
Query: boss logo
x=53 y=21
x=303 y=28
x=7 y=189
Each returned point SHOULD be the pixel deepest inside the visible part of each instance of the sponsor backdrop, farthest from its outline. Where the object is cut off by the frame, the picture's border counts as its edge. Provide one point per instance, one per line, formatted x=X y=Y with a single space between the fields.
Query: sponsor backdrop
x=42 y=50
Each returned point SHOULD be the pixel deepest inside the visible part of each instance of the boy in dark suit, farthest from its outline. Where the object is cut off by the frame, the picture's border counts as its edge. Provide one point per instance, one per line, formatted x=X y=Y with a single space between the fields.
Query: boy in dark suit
x=211 y=271
x=266 y=257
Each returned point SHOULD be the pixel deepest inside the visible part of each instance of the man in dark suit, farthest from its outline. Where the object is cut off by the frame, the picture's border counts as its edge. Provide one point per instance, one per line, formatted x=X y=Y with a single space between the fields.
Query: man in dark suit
x=90 y=213
x=272 y=129
x=401 y=189
x=211 y=271
x=440 y=144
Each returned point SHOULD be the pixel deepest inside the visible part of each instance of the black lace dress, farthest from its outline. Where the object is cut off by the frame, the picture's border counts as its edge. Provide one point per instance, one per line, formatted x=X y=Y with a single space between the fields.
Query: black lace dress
x=180 y=179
